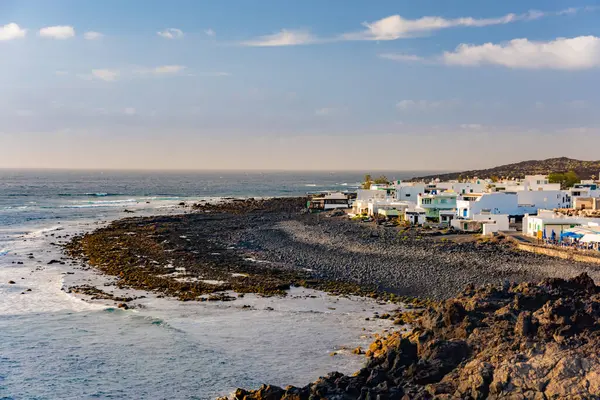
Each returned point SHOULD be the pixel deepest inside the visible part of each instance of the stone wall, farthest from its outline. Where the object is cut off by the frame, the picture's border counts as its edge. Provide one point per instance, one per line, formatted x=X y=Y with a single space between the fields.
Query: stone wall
x=568 y=254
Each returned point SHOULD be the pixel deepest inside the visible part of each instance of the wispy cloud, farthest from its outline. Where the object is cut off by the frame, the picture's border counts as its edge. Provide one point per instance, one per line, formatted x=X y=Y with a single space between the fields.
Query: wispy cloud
x=581 y=52
x=218 y=73
x=325 y=111
x=283 y=38
x=60 y=32
x=12 y=31
x=129 y=111
x=160 y=70
x=210 y=32
x=91 y=35
x=397 y=27
x=421 y=105
x=168 y=69
x=171 y=33
x=472 y=127
x=108 y=75
x=402 y=57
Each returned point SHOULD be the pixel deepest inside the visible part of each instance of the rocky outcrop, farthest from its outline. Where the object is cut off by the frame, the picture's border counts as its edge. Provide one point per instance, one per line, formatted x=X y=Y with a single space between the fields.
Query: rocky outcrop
x=522 y=341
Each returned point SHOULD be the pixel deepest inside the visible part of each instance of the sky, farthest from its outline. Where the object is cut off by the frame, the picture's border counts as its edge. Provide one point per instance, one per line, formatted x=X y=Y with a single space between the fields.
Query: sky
x=303 y=85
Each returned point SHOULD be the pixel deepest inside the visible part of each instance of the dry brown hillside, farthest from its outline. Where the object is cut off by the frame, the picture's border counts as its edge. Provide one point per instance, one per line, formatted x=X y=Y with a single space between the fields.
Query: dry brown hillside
x=585 y=169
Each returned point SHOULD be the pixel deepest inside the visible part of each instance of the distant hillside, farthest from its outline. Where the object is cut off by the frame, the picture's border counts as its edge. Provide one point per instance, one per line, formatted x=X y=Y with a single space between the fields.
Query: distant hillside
x=585 y=169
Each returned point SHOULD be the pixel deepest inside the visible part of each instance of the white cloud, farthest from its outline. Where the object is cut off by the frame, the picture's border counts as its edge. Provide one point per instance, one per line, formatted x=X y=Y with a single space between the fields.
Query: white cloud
x=57 y=32
x=283 y=38
x=396 y=27
x=421 y=105
x=91 y=35
x=168 y=69
x=210 y=32
x=11 y=31
x=171 y=33
x=108 y=75
x=474 y=127
x=160 y=70
x=325 y=111
x=576 y=53
x=219 y=73
x=61 y=73
x=129 y=111
x=401 y=57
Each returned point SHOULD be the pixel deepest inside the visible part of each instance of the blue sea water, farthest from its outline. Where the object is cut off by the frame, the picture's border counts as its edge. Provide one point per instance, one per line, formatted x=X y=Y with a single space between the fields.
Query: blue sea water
x=54 y=345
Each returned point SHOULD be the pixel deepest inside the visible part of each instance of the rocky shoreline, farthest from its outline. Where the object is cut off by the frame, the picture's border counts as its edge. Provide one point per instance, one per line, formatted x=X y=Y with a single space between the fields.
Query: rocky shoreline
x=267 y=246
x=520 y=341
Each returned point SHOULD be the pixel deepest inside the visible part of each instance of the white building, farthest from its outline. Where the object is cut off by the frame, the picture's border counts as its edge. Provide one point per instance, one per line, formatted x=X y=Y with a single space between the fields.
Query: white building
x=546 y=222
x=468 y=206
x=415 y=215
x=488 y=223
x=539 y=182
x=585 y=189
x=365 y=198
x=329 y=201
x=511 y=203
x=529 y=183
x=477 y=186
x=409 y=191
x=375 y=206
x=544 y=199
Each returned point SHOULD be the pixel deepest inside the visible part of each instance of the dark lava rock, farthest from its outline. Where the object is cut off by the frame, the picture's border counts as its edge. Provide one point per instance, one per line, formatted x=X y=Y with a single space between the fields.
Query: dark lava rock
x=525 y=341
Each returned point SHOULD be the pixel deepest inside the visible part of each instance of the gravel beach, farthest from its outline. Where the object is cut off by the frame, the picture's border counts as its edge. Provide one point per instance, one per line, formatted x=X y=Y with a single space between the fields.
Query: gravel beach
x=408 y=263
x=263 y=246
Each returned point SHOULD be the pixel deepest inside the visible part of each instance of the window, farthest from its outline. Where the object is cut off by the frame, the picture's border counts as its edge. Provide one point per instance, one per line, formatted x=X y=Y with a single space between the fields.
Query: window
x=444 y=201
x=426 y=201
x=465 y=226
x=407 y=195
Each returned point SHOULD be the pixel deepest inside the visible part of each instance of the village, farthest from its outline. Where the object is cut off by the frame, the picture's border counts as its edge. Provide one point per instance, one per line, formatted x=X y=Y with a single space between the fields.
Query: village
x=530 y=210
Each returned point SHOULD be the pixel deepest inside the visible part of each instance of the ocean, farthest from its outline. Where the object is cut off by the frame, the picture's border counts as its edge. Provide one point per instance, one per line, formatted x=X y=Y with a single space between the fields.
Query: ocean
x=57 y=345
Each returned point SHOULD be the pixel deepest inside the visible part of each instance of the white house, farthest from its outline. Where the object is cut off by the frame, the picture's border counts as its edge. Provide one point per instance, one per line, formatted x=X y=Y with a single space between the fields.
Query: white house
x=409 y=191
x=477 y=186
x=529 y=183
x=545 y=199
x=511 y=203
x=539 y=182
x=375 y=206
x=488 y=203
x=488 y=223
x=364 y=197
x=585 y=189
x=436 y=203
x=415 y=215
x=329 y=201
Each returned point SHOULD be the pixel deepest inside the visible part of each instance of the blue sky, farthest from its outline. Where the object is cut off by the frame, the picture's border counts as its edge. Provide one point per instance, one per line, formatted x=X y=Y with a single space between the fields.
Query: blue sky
x=297 y=85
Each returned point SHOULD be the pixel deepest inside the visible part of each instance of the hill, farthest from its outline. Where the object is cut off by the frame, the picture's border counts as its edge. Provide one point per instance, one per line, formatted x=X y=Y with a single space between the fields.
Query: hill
x=585 y=169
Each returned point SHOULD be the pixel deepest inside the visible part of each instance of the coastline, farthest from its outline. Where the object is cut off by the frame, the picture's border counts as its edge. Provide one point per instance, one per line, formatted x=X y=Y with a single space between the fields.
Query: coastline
x=229 y=249
x=268 y=246
x=226 y=335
